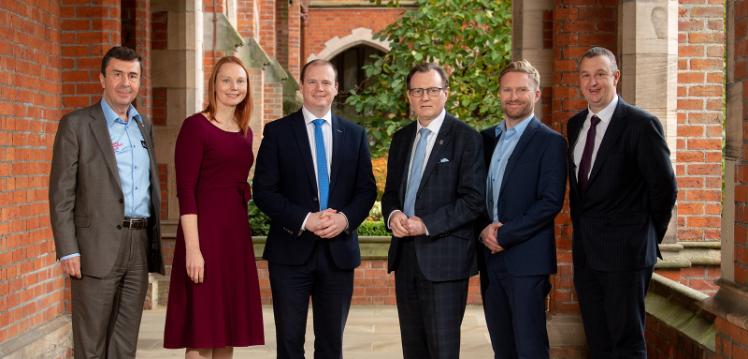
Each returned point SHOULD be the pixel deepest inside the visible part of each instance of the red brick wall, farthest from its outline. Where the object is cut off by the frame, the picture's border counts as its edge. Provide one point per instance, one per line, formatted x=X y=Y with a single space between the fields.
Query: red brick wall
x=741 y=170
x=267 y=26
x=700 y=90
x=294 y=40
x=665 y=343
x=245 y=22
x=323 y=24
x=88 y=31
x=701 y=278
x=31 y=283
x=577 y=27
x=731 y=340
x=372 y=284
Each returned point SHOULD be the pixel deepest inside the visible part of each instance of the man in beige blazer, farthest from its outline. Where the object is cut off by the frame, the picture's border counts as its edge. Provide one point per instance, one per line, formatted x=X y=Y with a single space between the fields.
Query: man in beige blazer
x=104 y=204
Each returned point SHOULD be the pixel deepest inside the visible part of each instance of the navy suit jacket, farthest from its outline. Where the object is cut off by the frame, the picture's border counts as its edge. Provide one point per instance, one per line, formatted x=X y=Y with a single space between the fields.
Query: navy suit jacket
x=625 y=211
x=449 y=199
x=285 y=188
x=531 y=194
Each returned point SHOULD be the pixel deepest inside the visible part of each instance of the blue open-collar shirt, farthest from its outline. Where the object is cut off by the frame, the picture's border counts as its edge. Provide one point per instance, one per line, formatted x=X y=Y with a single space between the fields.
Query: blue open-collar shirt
x=502 y=152
x=133 y=160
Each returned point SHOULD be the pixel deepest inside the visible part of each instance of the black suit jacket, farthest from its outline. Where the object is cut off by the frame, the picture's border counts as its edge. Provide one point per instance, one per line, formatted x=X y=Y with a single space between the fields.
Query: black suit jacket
x=631 y=192
x=285 y=188
x=531 y=194
x=449 y=198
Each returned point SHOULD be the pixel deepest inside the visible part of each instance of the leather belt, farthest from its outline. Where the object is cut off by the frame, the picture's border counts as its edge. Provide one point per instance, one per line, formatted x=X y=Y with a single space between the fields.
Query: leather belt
x=135 y=223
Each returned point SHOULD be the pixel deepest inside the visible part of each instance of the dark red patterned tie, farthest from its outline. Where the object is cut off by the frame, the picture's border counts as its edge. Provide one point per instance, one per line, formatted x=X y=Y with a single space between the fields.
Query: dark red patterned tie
x=586 y=162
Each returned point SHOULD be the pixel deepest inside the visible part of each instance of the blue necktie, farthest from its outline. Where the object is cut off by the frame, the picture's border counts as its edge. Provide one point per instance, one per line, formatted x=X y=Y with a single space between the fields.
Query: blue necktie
x=323 y=179
x=416 y=172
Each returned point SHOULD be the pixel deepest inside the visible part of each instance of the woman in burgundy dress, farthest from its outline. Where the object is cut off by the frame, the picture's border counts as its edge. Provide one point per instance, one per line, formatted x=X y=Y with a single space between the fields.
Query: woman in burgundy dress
x=214 y=296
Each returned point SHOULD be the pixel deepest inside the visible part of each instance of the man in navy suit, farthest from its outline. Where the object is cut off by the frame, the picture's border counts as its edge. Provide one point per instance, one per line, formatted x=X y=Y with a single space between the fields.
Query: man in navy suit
x=622 y=192
x=313 y=178
x=433 y=194
x=525 y=187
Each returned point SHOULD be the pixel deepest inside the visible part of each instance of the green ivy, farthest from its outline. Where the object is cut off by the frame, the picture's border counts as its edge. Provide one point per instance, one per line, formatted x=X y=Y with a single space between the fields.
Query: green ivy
x=259 y=222
x=471 y=39
x=372 y=226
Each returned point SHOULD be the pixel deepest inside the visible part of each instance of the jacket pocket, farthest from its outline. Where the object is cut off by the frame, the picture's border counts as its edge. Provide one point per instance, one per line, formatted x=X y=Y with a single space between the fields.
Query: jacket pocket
x=82 y=221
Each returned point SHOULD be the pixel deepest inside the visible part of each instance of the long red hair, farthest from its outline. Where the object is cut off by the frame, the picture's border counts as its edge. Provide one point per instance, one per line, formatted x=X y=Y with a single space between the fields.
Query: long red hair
x=243 y=109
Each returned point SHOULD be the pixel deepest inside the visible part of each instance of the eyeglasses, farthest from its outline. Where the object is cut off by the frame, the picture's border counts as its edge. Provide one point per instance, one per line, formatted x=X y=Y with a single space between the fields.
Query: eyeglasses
x=431 y=91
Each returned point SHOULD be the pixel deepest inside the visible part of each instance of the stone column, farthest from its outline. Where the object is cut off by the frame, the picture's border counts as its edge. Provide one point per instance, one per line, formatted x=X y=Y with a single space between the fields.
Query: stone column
x=177 y=73
x=532 y=40
x=648 y=40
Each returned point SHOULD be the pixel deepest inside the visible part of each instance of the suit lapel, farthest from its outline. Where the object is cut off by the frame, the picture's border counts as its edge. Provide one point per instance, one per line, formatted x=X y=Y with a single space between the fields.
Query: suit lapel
x=298 y=127
x=438 y=152
x=407 y=150
x=338 y=136
x=98 y=126
x=575 y=127
x=612 y=134
x=530 y=131
x=145 y=133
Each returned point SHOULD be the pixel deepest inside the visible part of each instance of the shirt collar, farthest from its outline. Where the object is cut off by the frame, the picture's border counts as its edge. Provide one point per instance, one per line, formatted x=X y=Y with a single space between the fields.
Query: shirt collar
x=111 y=116
x=605 y=114
x=309 y=116
x=435 y=124
x=519 y=128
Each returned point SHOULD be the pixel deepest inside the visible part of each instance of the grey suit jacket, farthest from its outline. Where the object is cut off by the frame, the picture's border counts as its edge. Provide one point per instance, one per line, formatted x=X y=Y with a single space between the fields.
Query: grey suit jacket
x=85 y=197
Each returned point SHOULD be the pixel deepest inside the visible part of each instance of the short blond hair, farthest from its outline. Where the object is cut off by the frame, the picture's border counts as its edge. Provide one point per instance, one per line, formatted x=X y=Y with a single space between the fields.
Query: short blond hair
x=522 y=66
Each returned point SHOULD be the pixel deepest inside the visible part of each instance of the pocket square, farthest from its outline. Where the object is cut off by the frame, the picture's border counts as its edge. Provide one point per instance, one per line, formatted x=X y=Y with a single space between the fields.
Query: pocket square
x=444 y=160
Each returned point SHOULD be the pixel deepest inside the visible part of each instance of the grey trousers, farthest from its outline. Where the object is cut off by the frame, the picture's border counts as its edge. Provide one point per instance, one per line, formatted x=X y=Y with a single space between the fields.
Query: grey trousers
x=107 y=310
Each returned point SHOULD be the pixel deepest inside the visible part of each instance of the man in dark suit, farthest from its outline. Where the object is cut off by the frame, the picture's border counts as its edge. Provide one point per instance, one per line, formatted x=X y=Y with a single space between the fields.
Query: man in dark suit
x=313 y=178
x=525 y=188
x=434 y=192
x=104 y=204
x=622 y=192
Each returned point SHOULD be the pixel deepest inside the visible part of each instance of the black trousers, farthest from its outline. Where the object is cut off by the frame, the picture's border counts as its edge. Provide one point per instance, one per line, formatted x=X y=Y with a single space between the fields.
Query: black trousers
x=612 y=305
x=330 y=290
x=430 y=313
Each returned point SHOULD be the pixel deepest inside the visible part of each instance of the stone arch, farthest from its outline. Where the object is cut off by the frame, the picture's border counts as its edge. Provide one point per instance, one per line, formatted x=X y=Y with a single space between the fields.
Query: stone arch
x=358 y=36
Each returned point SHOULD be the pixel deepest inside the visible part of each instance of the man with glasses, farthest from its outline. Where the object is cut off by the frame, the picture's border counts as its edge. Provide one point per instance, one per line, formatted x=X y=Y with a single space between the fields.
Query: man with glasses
x=622 y=192
x=434 y=192
x=104 y=203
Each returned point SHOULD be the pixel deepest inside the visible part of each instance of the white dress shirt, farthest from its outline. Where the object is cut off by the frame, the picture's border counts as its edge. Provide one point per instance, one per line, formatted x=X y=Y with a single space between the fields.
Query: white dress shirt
x=604 y=115
x=434 y=126
x=309 y=117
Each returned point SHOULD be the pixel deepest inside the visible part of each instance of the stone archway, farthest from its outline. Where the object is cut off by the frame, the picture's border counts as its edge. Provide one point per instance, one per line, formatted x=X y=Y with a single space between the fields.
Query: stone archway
x=358 y=36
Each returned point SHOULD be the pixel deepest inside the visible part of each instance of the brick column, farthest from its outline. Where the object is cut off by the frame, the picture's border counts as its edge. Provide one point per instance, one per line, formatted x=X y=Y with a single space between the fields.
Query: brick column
x=88 y=31
x=730 y=304
x=699 y=145
x=31 y=282
x=294 y=40
x=576 y=28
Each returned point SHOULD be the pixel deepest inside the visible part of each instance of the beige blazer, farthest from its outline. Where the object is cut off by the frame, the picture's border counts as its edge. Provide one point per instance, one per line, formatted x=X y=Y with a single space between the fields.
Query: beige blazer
x=85 y=197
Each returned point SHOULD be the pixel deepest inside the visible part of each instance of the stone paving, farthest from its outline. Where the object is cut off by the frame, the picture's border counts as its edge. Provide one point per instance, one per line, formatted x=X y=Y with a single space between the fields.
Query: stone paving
x=372 y=332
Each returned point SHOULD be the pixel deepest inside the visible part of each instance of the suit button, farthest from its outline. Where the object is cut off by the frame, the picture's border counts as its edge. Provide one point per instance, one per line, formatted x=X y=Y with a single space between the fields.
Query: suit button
x=315 y=199
x=119 y=226
x=121 y=200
